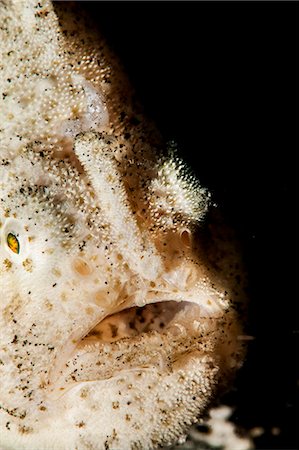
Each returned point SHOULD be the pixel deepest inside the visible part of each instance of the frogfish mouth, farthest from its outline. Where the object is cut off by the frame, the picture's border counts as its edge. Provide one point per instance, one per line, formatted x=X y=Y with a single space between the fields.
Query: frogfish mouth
x=120 y=310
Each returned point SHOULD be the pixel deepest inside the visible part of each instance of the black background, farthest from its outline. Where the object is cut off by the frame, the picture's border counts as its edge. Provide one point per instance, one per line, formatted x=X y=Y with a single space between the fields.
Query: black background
x=220 y=79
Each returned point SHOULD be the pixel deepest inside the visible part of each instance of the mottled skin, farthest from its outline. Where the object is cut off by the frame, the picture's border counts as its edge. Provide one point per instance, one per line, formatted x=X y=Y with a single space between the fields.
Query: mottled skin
x=105 y=221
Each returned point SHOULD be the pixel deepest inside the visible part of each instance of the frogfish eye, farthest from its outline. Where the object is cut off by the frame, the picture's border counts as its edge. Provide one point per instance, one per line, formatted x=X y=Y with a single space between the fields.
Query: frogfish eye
x=13 y=243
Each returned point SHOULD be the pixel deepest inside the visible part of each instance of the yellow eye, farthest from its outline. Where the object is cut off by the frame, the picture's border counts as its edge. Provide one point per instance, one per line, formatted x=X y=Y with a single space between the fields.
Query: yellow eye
x=13 y=243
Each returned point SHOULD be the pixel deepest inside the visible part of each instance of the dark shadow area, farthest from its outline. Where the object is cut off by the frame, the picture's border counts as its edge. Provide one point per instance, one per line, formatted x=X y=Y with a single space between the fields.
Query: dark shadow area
x=219 y=78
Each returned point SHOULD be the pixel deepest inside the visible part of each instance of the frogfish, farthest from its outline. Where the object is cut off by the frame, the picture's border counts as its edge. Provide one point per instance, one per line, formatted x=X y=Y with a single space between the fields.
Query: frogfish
x=120 y=314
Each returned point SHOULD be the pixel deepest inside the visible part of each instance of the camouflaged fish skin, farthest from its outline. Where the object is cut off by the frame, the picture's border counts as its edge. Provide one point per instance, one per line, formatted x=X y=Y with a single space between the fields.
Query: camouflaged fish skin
x=117 y=314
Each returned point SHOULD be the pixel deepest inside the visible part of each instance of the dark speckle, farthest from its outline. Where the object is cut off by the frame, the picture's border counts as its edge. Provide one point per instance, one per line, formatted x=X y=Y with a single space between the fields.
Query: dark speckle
x=80 y=424
x=114 y=330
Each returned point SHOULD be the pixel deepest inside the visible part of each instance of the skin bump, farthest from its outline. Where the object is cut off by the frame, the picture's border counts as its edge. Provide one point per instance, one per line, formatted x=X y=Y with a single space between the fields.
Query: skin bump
x=82 y=267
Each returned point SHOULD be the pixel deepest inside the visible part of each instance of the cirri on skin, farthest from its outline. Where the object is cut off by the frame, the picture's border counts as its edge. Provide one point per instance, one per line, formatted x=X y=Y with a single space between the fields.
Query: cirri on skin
x=118 y=309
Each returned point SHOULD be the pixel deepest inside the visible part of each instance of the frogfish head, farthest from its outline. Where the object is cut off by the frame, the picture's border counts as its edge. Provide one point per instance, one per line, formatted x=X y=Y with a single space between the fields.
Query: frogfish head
x=118 y=313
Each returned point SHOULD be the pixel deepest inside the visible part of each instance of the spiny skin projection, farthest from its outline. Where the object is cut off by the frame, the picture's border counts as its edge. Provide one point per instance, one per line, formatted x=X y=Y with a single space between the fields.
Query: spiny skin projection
x=119 y=304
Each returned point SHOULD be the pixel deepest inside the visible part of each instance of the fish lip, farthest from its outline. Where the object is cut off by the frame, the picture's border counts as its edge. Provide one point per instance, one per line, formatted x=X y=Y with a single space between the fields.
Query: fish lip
x=58 y=372
x=197 y=297
x=67 y=350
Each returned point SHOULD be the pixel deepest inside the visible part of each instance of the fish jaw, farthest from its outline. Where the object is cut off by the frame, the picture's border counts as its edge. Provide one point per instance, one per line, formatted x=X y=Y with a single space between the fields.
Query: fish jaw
x=145 y=389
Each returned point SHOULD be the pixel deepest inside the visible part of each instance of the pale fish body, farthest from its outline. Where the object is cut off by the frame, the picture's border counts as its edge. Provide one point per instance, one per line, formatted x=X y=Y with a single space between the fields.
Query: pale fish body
x=118 y=317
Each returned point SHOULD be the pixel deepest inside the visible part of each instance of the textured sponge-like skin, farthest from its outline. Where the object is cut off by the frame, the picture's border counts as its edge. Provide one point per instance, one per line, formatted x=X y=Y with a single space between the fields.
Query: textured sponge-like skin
x=119 y=306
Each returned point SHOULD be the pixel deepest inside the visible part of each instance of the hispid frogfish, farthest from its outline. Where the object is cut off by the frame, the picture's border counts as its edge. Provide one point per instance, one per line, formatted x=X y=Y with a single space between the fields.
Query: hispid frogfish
x=119 y=308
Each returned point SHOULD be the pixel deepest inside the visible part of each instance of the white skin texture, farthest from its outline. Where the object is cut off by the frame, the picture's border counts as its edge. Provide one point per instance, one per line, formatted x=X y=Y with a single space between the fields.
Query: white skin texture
x=117 y=317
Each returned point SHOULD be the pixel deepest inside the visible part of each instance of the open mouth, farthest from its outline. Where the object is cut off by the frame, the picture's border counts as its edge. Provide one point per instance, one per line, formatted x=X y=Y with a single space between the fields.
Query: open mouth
x=155 y=337
x=132 y=322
